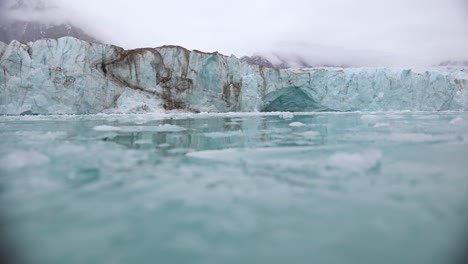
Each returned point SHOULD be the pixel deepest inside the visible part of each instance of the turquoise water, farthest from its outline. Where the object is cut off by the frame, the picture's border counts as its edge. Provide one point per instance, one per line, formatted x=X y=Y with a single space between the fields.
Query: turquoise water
x=235 y=188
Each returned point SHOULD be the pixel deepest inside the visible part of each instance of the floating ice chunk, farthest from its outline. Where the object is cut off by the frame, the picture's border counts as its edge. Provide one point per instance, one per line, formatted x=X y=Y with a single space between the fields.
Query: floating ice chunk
x=143 y=142
x=179 y=151
x=371 y=117
x=224 y=134
x=310 y=134
x=19 y=159
x=218 y=155
x=296 y=124
x=41 y=136
x=414 y=137
x=456 y=120
x=427 y=116
x=257 y=155
x=355 y=162
x=381 y=125
x=393 y=116
x=161 y=128
x=287 y=115
x=107 y=128
x=170 y=128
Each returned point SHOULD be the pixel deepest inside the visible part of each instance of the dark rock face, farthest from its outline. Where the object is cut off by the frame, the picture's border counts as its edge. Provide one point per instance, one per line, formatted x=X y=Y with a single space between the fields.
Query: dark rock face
x=286 y=61
x=25 y=4
x=258 y=60
x=31 y=31
x=16 y=24
x=144 y=70
x=463 y=63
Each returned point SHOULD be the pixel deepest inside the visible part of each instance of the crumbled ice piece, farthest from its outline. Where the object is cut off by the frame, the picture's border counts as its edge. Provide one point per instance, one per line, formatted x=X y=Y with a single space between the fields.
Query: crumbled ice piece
x=20 y=159
x=131 y=101
x=355 y=162
x=456 y=120
x=296 y=124
x=381 y=125
x=287 y=115
x=107 y=128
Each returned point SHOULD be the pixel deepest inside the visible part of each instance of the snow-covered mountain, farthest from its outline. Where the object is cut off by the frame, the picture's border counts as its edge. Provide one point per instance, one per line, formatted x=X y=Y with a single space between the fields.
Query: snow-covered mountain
x=275 y=60
x=28 y=27
x=31 y=31
x=452 y=63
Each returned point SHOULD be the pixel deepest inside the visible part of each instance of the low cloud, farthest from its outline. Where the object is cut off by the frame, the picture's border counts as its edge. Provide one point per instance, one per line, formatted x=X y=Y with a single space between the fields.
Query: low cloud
x=335 y=32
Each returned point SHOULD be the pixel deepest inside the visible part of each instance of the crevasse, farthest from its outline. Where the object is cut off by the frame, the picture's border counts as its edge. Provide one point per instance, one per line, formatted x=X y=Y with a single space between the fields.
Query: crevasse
x=70 y=76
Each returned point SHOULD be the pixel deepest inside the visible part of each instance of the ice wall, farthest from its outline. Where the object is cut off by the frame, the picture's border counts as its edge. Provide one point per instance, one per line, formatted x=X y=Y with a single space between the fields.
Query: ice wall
x=70 y=76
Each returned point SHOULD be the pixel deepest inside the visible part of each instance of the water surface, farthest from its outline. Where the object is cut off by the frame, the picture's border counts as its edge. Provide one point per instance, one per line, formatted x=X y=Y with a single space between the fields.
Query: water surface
x=235 y=188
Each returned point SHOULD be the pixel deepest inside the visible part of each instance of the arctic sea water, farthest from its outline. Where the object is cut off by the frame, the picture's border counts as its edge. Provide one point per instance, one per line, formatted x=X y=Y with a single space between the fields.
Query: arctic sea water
x=235 y=188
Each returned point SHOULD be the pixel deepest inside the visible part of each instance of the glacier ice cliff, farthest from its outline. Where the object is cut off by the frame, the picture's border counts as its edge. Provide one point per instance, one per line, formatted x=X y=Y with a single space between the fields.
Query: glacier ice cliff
x=71 y=76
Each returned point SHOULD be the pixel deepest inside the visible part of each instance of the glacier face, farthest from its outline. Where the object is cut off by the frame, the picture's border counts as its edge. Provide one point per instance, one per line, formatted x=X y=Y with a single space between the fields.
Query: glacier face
x=70 y=76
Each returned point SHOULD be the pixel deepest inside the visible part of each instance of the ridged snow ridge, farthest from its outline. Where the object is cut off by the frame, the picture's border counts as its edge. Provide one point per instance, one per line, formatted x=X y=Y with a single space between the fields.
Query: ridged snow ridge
x=70 y=76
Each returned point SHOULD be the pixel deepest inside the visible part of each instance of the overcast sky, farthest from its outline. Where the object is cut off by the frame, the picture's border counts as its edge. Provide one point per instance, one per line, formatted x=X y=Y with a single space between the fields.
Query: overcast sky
x=366 y=32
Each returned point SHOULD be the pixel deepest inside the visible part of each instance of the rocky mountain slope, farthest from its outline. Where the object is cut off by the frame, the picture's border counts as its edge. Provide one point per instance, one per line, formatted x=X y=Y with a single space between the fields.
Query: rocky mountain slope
x=14 y=26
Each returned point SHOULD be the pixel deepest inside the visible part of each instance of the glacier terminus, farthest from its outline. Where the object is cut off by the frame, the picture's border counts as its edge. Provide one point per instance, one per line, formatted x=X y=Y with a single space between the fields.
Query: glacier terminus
x=71 y=76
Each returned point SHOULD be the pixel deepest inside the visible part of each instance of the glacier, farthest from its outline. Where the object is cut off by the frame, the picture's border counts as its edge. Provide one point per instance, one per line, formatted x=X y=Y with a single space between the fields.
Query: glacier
x=71 y=76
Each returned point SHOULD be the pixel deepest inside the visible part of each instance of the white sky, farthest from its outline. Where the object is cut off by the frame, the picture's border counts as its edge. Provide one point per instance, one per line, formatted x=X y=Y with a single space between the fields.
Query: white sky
x=366 y=32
